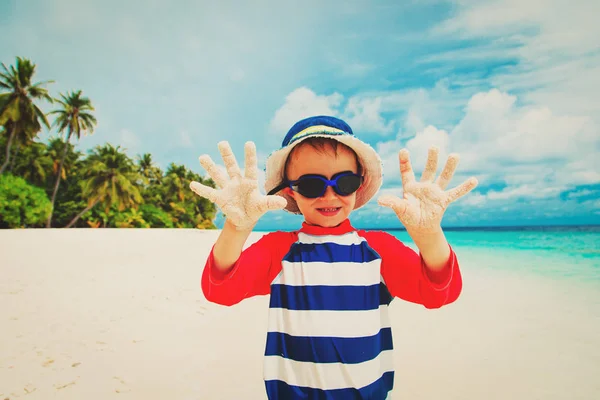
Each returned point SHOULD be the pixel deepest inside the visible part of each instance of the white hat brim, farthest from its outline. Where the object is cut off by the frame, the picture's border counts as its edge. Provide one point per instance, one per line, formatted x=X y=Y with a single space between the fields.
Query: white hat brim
x=368 y=157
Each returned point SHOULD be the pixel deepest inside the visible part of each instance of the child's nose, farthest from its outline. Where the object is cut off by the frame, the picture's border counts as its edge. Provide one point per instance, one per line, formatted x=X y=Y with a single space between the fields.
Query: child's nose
x=329 y=193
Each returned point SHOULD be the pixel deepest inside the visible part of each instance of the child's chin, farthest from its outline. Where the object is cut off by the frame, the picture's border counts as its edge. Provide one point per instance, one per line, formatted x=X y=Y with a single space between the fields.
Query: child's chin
x=329 y=222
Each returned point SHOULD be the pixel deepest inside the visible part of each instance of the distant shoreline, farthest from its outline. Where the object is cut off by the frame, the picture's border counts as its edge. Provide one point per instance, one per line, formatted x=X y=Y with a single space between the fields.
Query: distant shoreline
x=508 y=228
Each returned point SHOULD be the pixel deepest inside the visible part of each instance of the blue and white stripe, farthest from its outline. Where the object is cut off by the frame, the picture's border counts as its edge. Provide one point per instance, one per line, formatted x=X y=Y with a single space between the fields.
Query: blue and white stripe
x=329 y=333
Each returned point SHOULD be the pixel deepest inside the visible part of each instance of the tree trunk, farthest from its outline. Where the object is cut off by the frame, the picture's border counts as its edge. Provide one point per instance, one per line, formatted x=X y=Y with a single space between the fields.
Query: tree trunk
x=88 y=208
x=14 y=157
x=8 y=145
x=58 y=176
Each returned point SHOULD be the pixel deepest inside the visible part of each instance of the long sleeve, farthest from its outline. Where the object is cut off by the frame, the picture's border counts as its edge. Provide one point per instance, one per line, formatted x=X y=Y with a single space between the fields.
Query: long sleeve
x=252 y=273
x=407 y=277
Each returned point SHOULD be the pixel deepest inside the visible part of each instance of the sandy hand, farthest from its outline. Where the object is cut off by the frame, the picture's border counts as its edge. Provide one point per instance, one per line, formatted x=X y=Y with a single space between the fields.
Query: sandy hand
x=237 y=196
x=423 y=205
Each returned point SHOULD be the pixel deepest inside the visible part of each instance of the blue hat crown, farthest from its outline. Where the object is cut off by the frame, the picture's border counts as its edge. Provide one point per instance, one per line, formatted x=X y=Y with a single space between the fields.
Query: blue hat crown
x=321 y=124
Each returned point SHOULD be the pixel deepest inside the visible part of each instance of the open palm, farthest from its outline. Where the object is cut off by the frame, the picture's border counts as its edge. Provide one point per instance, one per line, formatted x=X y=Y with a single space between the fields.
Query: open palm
x=237 y=196
x=423 y=204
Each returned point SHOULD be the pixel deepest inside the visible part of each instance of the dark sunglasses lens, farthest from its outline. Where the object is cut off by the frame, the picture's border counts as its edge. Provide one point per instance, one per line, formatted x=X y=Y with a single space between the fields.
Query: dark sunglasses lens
x=348 y=184
x=311 y=187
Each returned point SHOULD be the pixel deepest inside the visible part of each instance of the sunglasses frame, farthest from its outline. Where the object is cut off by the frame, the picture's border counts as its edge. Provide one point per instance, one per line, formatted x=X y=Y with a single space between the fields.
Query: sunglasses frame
x=333 y=182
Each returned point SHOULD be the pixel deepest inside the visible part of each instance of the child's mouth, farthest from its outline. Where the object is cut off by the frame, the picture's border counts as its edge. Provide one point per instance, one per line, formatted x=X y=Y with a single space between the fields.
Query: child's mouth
x=329 y=211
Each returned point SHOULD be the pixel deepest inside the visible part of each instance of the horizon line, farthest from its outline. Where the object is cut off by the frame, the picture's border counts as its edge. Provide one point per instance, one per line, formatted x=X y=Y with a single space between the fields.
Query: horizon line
x=479 y=227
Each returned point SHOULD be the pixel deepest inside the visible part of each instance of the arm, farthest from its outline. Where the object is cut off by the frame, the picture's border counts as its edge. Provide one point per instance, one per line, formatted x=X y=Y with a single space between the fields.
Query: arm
x=229 y=245
x=434 y=249
x=407 y=276
x=231 y=275
x=228 y=279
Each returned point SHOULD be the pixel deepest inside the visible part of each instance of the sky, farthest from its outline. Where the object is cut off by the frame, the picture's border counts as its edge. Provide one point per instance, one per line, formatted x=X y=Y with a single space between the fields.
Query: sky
x=512 y=87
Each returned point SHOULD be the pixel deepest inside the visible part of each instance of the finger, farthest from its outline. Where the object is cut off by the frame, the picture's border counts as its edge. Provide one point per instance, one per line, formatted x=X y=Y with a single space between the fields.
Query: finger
x=462 y=189
x=264 y=204
x=431 y=165
x=398 y=205
x=205 y=191
x=251 y=167
x=274 y=202
x=406 y=171
x=231 y=164
x=213 y=170
x=448 y=172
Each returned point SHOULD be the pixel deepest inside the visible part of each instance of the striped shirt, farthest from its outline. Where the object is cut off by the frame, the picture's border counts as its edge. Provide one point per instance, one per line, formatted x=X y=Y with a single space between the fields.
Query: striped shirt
x=329 y=334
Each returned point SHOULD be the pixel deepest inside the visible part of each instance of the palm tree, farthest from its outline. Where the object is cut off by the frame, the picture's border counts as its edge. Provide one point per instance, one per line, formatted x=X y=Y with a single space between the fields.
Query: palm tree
x=110 y=179
x=149 y=172
x=74 y=117
x=18 y=113
x=55 y=149
x=34 y=164
x=175 y=181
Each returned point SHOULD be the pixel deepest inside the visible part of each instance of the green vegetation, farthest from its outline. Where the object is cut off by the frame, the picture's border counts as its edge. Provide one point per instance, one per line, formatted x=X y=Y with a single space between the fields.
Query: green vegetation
x=54 y=185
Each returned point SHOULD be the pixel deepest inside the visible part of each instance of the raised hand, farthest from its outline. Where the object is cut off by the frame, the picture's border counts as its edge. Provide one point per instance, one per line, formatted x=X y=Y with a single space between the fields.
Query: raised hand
x=423 y=205
x=237 y=196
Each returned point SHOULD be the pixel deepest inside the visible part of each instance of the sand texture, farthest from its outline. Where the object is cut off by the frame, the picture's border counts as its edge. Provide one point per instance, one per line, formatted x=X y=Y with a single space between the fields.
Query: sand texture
x=119 y=314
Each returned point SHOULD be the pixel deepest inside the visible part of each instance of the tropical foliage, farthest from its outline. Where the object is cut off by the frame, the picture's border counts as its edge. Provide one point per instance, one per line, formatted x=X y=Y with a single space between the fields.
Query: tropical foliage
x=52 y=184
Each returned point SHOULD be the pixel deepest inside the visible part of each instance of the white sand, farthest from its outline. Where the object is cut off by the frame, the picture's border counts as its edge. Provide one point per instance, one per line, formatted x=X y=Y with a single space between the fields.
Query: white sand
x=102 y=314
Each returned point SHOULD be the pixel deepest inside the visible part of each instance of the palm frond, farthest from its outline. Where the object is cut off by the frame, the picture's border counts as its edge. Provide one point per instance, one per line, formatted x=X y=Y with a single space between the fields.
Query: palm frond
x=40 y=114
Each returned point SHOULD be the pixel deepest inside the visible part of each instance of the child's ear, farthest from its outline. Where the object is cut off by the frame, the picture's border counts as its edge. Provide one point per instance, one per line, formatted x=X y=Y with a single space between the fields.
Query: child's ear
x=361 y=187
x=289 y=192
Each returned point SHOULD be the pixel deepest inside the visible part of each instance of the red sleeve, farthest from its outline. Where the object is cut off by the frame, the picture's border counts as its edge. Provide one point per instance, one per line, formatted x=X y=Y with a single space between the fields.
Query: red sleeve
x=407 y=277
x=252 y=273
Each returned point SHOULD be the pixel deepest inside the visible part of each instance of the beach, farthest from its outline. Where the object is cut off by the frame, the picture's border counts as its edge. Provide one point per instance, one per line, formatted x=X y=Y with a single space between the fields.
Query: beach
x=119 y=313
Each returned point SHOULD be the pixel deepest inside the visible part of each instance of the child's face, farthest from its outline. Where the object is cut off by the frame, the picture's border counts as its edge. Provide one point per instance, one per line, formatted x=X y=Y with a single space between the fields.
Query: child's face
x=331 y=209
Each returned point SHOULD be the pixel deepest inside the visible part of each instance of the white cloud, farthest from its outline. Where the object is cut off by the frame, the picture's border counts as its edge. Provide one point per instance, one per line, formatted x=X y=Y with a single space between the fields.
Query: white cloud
x=473 y=199
x=524 y=191
x=580 y=193
x=303 y=103
x=496 y=132
x=420 y=144
x=536 y=153
x=406 y=111
x=555 y=44
x=557 y=24
x=364 y=114
x=497 y=138
x=418 y=147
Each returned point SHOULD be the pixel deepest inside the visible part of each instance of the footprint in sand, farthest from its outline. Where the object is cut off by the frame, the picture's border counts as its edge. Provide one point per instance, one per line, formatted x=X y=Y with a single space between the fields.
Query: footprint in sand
x=60 y=386
x=29 y=389
x=123 y=383
x=201 y=308
x=103 y=346
x=48 y=362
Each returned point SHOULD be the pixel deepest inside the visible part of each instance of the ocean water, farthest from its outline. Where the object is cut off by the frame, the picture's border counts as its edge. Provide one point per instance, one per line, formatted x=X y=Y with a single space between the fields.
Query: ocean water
x=559 y=252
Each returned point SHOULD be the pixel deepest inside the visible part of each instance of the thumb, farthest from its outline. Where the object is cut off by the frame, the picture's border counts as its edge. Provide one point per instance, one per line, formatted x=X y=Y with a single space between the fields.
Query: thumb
x=271 y=203
x=275 y=202
x=398 y=205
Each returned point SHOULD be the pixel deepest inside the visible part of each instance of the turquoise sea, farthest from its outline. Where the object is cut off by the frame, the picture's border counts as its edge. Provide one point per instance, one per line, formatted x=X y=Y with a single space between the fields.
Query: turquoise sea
x=561 y=252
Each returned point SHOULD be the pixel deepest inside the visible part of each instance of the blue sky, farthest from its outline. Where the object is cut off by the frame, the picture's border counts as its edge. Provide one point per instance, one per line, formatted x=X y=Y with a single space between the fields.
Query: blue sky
x=514 y=88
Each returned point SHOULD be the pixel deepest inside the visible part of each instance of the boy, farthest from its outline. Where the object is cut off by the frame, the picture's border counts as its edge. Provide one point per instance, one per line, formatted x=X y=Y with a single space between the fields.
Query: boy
x=330 y=285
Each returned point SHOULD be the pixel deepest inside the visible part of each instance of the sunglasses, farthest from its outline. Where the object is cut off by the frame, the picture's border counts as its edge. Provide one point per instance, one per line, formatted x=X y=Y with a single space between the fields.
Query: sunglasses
x=313 y=186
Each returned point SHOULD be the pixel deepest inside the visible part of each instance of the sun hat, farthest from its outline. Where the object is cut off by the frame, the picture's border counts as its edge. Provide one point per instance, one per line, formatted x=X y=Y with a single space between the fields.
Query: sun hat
x=327 y=127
